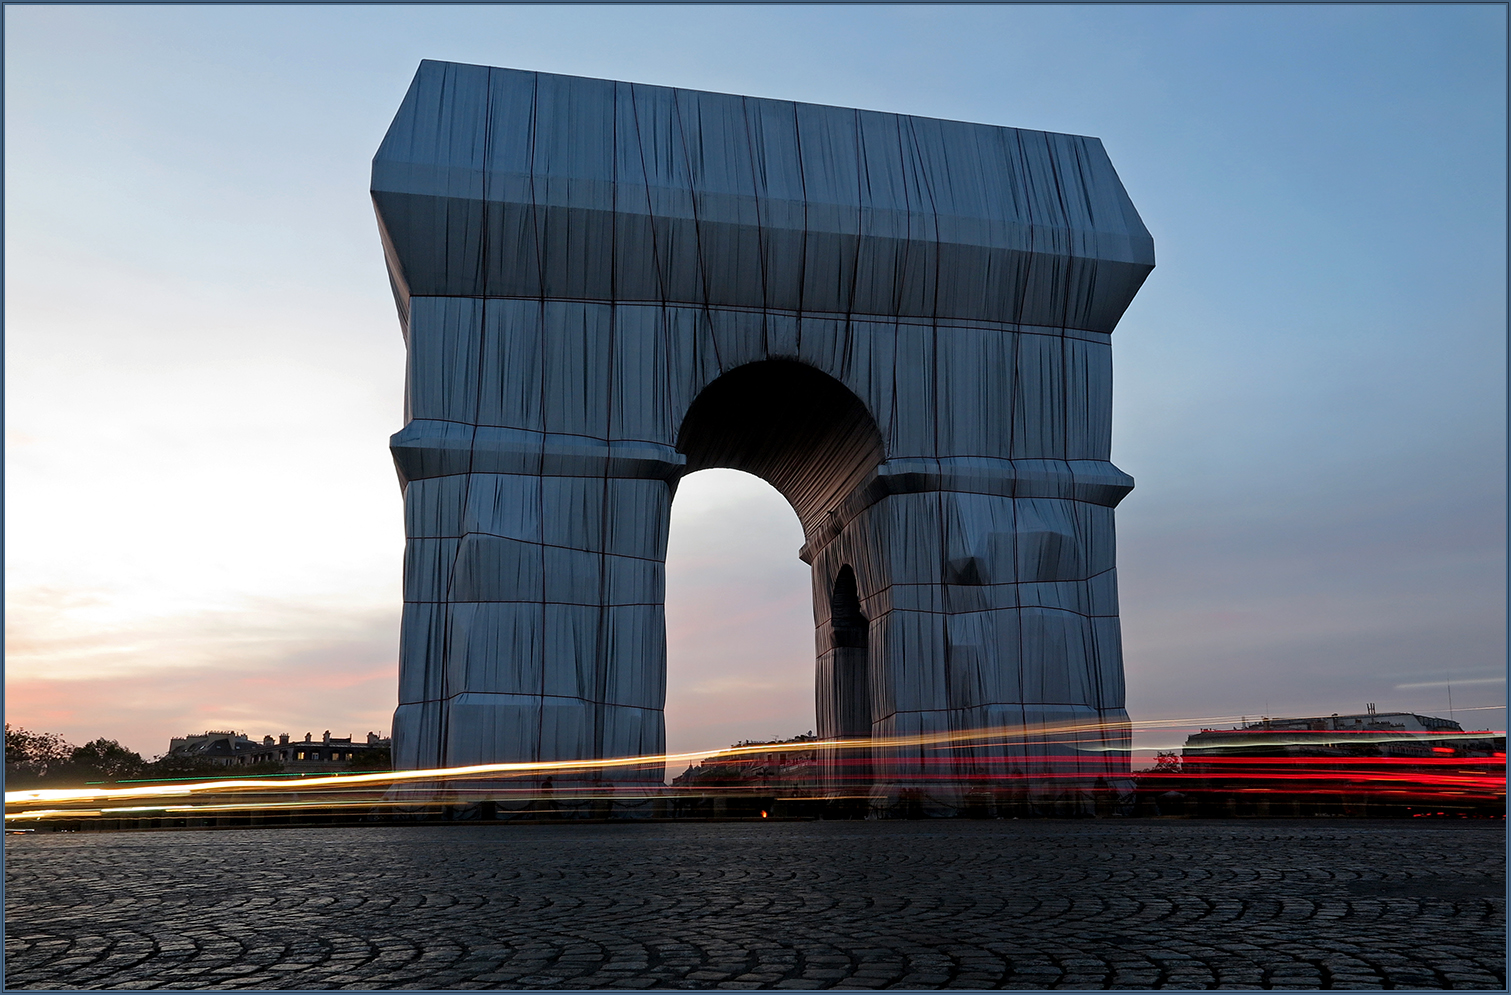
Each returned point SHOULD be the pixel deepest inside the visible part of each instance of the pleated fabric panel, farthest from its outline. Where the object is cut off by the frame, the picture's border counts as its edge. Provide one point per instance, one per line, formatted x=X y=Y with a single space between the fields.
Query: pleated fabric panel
x=901 y=323
x=547 y=186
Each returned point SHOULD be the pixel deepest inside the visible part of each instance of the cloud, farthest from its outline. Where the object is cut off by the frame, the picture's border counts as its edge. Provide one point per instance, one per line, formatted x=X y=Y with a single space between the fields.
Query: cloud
x=1448 y=682
x=335 y=690
x=75 y=634
x=94 y=661
x=1290 y=600
x=263 y=667
x=1310 y=388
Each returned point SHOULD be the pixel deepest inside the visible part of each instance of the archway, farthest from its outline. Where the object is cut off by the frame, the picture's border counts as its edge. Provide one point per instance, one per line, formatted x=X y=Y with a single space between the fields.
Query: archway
x=739 y=620
x=812 y=439
x=793 y=426
x=605 y=286
x=847 y=677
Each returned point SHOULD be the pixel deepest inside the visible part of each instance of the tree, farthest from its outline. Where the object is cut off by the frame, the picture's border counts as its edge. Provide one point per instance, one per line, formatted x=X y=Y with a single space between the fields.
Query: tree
x=371 y=760
x=30 y=756
x=46 y=759
x=173 y=766
x=1167 y=763
x=100 y=760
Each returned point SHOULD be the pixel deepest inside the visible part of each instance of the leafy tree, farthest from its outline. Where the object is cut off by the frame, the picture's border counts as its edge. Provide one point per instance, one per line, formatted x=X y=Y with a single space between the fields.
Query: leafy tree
x=1167 y=763
x=372 y=760
x=46 y=759
x=257 y=769
x=100 y=760
x=170 y=766
x=173 y=768
x=31 y=756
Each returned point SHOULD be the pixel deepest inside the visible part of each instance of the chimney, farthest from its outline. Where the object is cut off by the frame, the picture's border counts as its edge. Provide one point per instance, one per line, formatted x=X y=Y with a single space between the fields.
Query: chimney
x=327 y=739
x=283 y=739
x=308 y=737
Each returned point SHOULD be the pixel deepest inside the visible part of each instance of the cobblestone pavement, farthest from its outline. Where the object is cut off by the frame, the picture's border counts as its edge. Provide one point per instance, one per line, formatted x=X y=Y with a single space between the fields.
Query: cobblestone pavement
x=1031 y=904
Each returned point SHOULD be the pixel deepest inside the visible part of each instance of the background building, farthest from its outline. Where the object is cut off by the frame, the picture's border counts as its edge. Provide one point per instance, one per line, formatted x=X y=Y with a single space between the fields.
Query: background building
x=1370 y=734
x=329 y=753
x=1373 y=763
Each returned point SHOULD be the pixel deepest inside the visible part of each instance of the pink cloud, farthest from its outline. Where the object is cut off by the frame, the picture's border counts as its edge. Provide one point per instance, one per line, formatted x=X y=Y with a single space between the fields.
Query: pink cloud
x=268 y=668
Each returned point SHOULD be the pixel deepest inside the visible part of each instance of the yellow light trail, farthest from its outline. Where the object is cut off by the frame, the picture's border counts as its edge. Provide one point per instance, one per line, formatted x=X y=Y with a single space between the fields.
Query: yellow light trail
x=1086 y=737
x=1089 y=729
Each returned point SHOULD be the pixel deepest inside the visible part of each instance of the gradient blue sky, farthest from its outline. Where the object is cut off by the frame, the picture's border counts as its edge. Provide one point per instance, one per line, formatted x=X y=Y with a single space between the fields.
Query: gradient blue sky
x=204 y=364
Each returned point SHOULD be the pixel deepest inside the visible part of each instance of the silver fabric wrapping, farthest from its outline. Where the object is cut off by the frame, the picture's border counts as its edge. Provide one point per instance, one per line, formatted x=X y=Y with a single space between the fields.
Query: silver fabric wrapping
x=581 y=266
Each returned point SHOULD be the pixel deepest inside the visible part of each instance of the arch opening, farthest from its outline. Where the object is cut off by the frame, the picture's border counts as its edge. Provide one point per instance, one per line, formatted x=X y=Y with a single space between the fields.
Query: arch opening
x=850 y=675
x=739 y=620
x=793 y=426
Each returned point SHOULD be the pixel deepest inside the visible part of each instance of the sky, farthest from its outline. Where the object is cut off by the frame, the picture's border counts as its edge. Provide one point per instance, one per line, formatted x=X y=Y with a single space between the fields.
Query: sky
x=203 y=363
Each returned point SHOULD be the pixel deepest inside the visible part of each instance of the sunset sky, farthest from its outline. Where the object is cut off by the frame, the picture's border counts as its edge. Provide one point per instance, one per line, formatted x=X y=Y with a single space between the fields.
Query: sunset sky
x=204 y=364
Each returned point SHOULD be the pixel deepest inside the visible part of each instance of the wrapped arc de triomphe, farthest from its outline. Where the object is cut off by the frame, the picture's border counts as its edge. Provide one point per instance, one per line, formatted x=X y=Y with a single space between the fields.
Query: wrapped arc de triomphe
x=901 y=323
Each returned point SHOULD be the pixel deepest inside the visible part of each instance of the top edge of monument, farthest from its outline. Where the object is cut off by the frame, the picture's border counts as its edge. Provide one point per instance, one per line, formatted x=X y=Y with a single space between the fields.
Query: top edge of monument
x=748 y=96
x=498 y=182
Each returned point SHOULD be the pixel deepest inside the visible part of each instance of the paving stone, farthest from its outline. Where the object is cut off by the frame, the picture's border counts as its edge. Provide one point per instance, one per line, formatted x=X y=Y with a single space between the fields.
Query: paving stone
x=862 y=906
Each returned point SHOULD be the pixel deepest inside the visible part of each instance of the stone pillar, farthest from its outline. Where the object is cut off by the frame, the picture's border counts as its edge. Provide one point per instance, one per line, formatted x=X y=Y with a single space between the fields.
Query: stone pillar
x=534 y=573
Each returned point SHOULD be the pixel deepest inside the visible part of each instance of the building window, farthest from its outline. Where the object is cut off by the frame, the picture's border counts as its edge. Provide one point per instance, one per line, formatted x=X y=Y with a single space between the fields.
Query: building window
x=299 y=755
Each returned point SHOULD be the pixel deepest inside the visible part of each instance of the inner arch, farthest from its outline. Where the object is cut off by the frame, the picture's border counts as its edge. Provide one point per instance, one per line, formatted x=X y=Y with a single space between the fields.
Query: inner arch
x=739 y=619
x=793 y=426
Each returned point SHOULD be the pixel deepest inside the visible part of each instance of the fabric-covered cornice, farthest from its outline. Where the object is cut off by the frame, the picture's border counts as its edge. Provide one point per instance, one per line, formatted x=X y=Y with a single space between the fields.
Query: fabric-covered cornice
x=503 y=183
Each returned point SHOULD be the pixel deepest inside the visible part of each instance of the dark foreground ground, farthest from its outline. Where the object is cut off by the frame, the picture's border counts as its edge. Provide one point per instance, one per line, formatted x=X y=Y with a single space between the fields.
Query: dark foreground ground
x=1030 y=904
